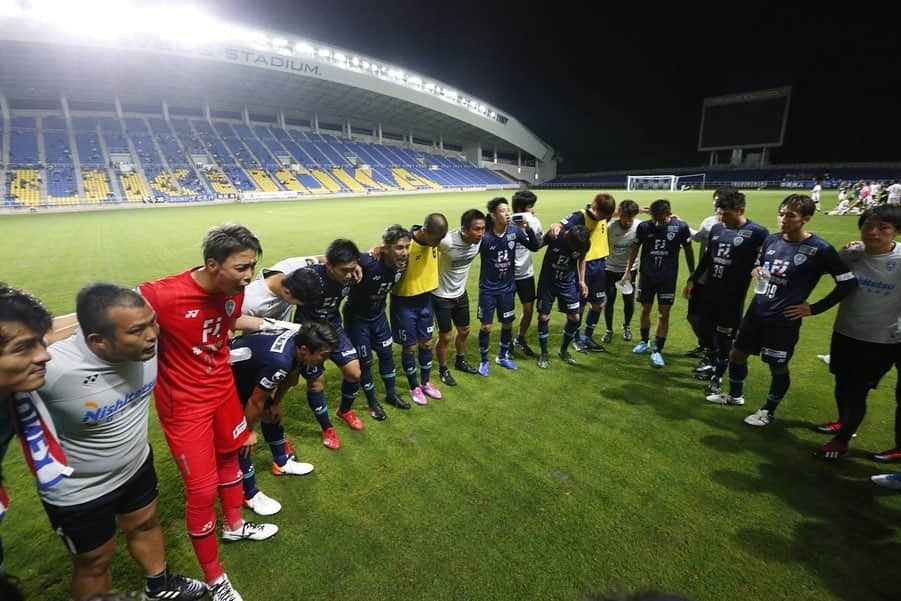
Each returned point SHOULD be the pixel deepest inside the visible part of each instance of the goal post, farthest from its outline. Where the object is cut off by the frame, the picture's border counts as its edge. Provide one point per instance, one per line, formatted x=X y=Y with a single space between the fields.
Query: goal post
x=651 y=182
x=691 y=181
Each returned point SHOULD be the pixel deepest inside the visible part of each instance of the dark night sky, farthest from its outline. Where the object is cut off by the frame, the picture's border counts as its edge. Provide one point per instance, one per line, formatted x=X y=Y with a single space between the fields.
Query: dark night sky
x=621 y=86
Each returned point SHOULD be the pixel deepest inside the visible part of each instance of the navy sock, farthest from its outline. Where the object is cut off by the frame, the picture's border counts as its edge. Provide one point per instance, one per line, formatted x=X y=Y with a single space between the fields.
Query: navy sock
x=388 y=373
x=591 y=322
x=249 y=482
x=569 y=332
x=506 y=339
x=737 y=374
x=157 y=581
x=659 y=341
x=778 y=387
x=543 y=334
x=274 y=434
x=425 y=364
x=645 y=334
x=316 y=401
x=348 y=393
x=408 y=362
x=366 y=382
x=483 y=345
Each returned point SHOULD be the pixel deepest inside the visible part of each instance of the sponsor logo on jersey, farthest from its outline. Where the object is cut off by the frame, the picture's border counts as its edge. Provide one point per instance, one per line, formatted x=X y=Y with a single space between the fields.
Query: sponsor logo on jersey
x=95 y=414
x=192 y=313
x=239 y=428
x=348 y=353
x=807 y=250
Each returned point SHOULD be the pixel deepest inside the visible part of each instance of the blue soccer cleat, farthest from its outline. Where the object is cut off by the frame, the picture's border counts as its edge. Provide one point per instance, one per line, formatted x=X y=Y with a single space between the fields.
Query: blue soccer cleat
x=641 y=347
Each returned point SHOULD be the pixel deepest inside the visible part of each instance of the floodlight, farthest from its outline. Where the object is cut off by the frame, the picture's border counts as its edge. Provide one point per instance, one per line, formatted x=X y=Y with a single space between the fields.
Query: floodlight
x=304 y=47
x=355 y=61
x=430 y=86
x=279 y=42
x=340 y=57
x=324 y=52
x=493 y=115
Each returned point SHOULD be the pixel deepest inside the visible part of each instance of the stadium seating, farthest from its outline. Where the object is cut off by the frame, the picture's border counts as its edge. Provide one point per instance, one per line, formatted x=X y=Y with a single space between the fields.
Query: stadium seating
x=25 y=187
x=133 y=187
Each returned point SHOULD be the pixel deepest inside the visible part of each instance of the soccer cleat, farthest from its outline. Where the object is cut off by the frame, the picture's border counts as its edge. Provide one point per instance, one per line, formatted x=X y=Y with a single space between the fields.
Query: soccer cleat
x=892 y=481
x=543 y=361
x=221 y=590
x=889 y=456
x=824 y=358
x=702 y=367
x=627 y=333
x=760 y=418
x=579 y=345
x=698 y=352
x=607 y=338
x=722 y=398
x=177 y=588
x=483 y=368
x=291 y=468
x=446 y=378
x=260 y=504
x=351 y=418
x=376 y=411
x=519 y=343
x=330 y=438
x=833 y=450
x=429 y=389
x=418 y=396
x=464 y=366
x=589 y=344
x=828 y=428
x=249 y=531
x=642 y=347
x=566 y=357
x=505 y=363
x=657 y=359
x=397 y=401
x=714 y=386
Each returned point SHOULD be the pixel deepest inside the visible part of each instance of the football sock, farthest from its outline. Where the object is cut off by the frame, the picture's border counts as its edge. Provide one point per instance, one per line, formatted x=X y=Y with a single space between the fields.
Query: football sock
x=659 y=341
x=200 y=519
x=737 y=374
x=483 y=345
x=425 y=364
x=249 y=481
x=316 y=401
x=274 y=434
x=348 y=393
x=506 y=339
x=460 y=357
x=569 y=332
x=778 y=387
x=645 y=334
x=230 y=494
x=387 y=372
x=366 y=380
x=157 y=581
x=543 y=334
x=591 y=322
x=408 y=362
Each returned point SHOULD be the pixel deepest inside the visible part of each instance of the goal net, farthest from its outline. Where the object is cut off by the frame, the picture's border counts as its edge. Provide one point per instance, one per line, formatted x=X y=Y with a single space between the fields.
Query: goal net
x=651 y=182
x=691 y=181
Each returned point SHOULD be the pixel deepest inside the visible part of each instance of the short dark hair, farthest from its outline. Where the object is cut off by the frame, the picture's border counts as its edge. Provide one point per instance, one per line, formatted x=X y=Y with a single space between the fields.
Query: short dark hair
x=304 y=285
x=341 y=251
x=495 y=202
x=522 y=200
x=887 y=213
x=661 y=208
x=723 y=190
x=17 y=306
x=628 y=208
x=469 y=216
x=317 y=335
x=393 y=233
x=435 y=223
x=731 y=200
x=802 y=202
x=579 y=239
x=606 y=202
x=222 y=241
x=94 y=301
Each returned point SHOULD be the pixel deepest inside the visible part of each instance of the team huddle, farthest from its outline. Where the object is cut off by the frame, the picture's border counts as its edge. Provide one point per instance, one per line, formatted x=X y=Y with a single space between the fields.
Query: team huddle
x=80 y=406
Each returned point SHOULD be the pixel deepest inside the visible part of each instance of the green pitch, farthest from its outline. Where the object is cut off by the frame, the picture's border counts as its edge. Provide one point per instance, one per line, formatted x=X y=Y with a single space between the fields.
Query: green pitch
x=608 y=477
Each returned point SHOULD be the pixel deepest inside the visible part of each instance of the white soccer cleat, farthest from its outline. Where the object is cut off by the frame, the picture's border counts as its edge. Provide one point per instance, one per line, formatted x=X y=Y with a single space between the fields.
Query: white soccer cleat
x=260 y=504
x=760 y=418
x=892 y=481
x=249 y=531
x=221 y=590
x=723 y=398
x=292 y=468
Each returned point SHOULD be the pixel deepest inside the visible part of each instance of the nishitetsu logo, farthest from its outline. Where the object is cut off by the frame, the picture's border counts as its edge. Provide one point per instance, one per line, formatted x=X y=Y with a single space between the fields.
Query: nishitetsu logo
x=95 y=414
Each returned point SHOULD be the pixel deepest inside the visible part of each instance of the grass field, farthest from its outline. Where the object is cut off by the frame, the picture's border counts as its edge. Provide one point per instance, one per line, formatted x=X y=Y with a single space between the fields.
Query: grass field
x=607 y=477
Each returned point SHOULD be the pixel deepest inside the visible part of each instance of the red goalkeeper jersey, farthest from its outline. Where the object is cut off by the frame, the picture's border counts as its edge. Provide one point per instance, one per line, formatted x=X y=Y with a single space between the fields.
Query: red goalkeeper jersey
x=193 y=346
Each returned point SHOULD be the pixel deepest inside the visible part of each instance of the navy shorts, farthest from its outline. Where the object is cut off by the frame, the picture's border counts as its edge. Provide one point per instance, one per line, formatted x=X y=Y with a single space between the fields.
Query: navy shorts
x=659 y=285
x=369 y=335
x=862 y=361
x=596 y=280
x=491 y=302
x=412 y=318
x=724 y=309
x=345 y=352
x=450 y=312
x=525 y=290
x=773 y=338
x=86 y=526
x=566 y=293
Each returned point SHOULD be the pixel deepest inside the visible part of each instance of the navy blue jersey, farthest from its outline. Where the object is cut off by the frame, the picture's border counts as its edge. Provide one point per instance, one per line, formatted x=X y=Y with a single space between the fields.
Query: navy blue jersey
x=795 y=268
x=498 y=255
x=730 y=256
x=660 y=246
x=332 y=294
x=272 y=356
x=561 y=261
x=367 y=297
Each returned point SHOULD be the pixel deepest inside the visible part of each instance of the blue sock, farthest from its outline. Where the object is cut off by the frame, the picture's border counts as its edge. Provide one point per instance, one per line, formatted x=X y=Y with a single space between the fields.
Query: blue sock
x=348 y=393
x=387 y=372
x=737 y=374
x=778 y=387
x=591 y=321
x=274 y=434
x=569 y=332
x=425 y=364
x=366 y=382
x=483 y=345
x=543 y=327
x=506 y=339
x=250 y=478
x=408 y=362
x=316 y=401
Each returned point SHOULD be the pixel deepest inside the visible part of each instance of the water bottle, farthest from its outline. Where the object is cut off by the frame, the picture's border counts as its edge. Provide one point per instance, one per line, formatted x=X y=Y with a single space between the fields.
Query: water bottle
x=762 y=285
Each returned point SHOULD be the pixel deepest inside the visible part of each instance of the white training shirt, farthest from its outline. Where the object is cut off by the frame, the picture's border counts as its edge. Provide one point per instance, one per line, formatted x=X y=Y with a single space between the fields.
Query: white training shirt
x=894 y=194
x=260 y=301
x=872 y=312
x=620 y=242
x=455 y=257
x=703 y=232
x=523 y=260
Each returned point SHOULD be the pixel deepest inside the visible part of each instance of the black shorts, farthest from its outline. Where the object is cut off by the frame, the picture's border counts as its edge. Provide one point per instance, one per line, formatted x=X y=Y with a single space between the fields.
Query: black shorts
x=774 y=339
x=89 y=525
x=724 y=309
x=862 y=361
x=659 y=285
x=525 y=290
x=450 y=312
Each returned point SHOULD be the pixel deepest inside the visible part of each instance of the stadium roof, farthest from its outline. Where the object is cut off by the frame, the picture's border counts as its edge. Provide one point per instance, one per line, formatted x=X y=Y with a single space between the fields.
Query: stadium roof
x=266 y=72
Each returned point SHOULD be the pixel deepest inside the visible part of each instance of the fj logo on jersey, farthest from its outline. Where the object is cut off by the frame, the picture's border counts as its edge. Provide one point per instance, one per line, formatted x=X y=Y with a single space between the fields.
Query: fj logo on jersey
x=229 y=307
x=192 y=313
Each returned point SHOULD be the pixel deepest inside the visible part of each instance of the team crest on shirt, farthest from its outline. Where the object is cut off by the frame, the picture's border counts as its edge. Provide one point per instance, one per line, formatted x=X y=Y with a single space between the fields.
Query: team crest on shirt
x=890 y=265
x=229 y=307
x=737 y=241
x=670 y=235
x=799 y=259
x=511 y=244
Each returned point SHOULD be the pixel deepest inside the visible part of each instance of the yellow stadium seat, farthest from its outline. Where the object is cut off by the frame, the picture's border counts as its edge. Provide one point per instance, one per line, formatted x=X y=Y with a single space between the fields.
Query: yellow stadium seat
x=263 y=180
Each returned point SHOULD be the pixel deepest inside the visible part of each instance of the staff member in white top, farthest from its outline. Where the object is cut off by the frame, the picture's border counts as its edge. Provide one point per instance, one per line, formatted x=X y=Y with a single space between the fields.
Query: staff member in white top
x=277 y=289
x=524 y=211
x=98 y=393
x=894 y=193
x=621 y=238
x=815 y=193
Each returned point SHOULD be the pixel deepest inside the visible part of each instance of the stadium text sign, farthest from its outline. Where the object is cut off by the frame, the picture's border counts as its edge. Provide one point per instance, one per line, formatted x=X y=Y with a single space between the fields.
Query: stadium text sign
x=249 y=57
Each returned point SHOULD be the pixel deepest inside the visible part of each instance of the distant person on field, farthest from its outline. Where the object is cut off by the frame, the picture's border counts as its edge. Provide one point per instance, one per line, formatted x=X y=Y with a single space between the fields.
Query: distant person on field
x=815 y=193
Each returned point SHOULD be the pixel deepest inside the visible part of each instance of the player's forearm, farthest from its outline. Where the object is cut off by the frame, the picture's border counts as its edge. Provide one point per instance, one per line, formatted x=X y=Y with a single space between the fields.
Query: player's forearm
x=251 y=323
x=690 y=258
x=255 y=405
x=286 y=385
x=841 y=290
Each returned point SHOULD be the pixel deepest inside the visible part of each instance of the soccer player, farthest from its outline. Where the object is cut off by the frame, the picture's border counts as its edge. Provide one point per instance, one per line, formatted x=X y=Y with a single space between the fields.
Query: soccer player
x=594 y=216
x=266 y=364
x=866 y=339
x=365 y=319
x=620 y=238
x=335 y=281
x=450 y=299
x=112 y=363
x=523 y=203
x=23 y=363
x=789 y=265
x=733 y=244
x=195 y=395
x=284 y=285
x=560 y=279
x=659 y=239
x=894 y=193
x=496 y=279
x=411 y=306
x=815 y=193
